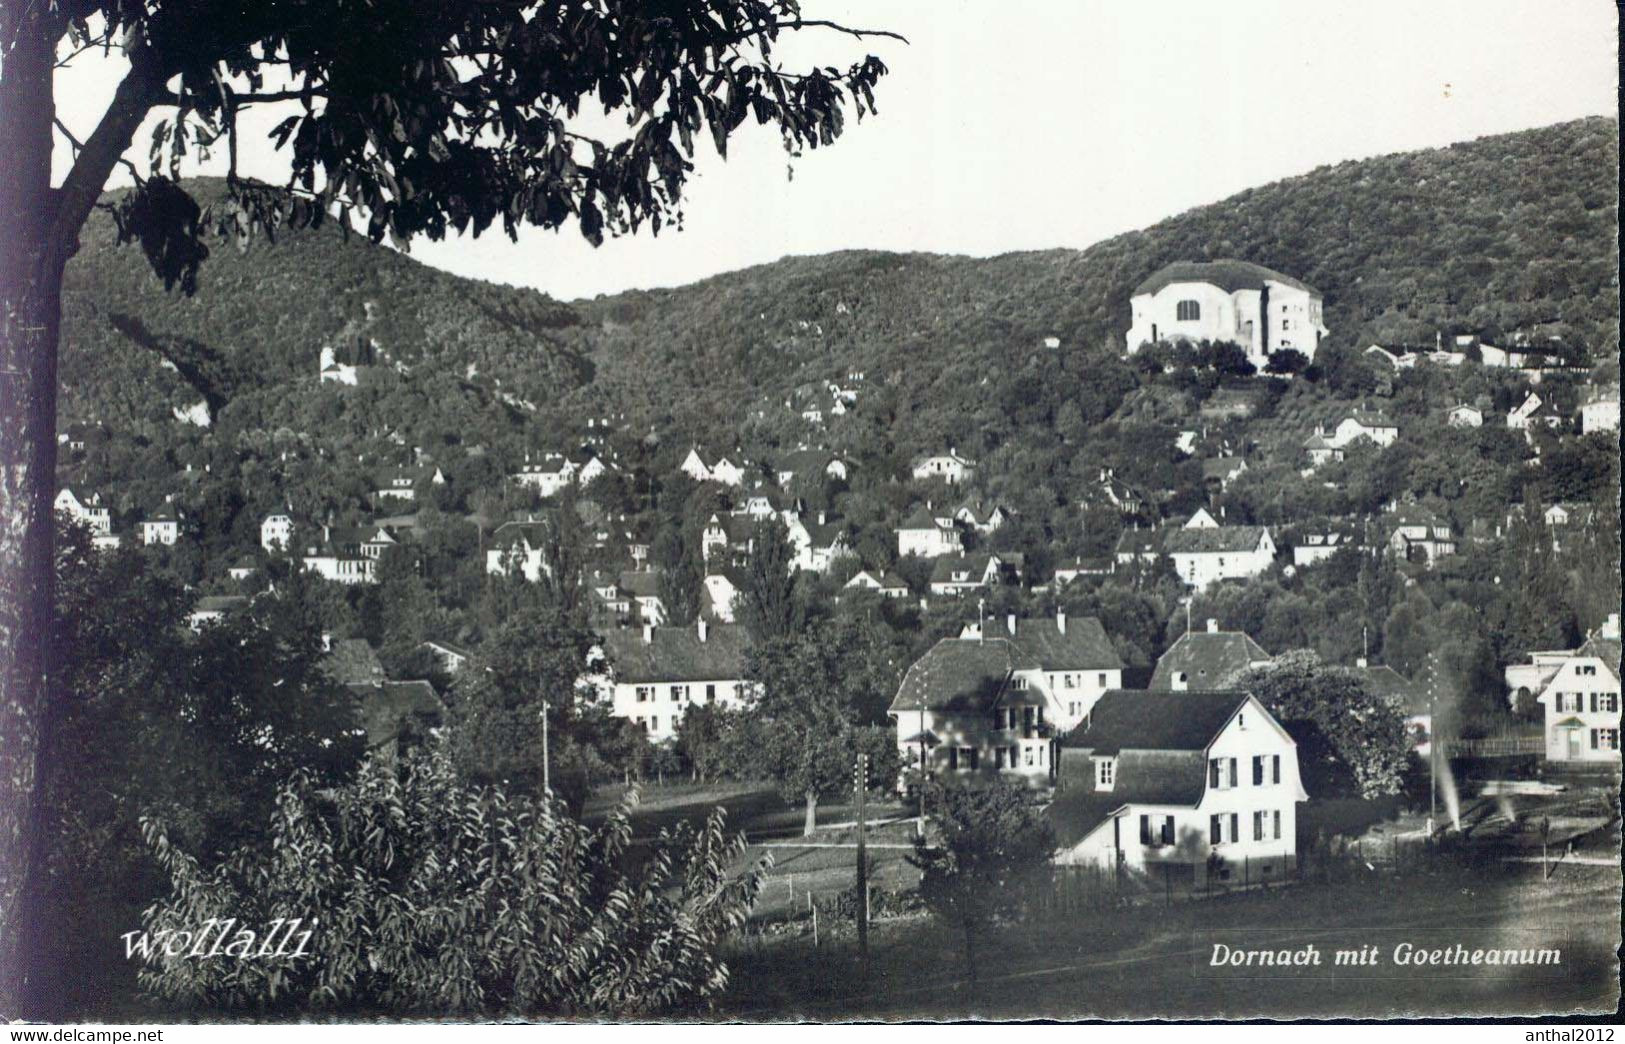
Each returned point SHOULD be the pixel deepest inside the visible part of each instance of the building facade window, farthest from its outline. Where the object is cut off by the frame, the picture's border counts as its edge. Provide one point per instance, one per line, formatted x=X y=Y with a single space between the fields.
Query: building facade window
x=1188 y=311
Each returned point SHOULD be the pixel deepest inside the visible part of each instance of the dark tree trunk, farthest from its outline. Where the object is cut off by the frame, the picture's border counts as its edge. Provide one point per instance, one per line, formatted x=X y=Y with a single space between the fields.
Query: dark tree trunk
x=30 y=285
x=39 y=232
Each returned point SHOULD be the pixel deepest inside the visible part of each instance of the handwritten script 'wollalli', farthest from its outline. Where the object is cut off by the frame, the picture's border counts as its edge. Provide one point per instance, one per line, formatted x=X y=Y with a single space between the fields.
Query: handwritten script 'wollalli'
x=210 y=940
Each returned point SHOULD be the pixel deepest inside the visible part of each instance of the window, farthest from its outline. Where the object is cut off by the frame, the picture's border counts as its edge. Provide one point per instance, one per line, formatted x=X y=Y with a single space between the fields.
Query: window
x=1215 y=830
x=1100 y=680
x=1277 y=816
x=1105 y=772
x=710 y=693
x=645 y=693
x=1029 y=757
x=1145 y=830
x=1258 y=770
x=1233 y=783
x=1213 y=772
x=654 y=724
x=1587 y=669
x=1235 y=826
x=1041 y=756
x=998 y=757
x=1258 y=826
x=1167 y=830
x=1275 y=761
x=1188 y=311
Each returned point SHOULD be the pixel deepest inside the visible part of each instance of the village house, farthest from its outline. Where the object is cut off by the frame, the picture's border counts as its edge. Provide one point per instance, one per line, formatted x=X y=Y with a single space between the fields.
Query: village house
x=1580 y=701
x=1599 y=409
x=950 y=467
x=1138 y=546
x=1320 y=544
x=983 y=703
x=349 y=554
x=403 y=483
x=1205 y=552
x=809 y=465
x=1195 y=788
x=1255 y=307
x=520 y=547
x=723 y=471
x=395 y=713
x=1205 y=659
x=927 y=536
x=547 y=476
x=242 y=568
x=728 y=537
x=657 y=673
x=819 y=543
x=163 y=526
x=1128 y=501
x=960 y=574
x=276 y=532
x=1219 y=472
x=1463 y=415
x=90 y=513
x=330 y=370
x=980 y=518
x=1534 y=412
x=1416 y=534
x=642 y=588
x=452 y=657
x=722 y=587
x=1066 y=572
x=1324 y=446
x=211 y=608
x=886 y=584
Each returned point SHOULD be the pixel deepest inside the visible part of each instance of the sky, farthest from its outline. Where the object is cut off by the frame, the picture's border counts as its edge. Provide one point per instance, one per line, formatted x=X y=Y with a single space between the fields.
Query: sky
x=1030 y=124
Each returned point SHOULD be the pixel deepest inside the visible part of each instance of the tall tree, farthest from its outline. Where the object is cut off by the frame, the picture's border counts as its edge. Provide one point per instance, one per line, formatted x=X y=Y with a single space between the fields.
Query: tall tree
x=407 y=117
x=989 y=843
x=770 y=605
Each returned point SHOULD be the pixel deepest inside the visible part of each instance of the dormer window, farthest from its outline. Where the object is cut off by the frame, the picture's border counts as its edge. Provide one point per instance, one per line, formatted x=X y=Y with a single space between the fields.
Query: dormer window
x=1188 y=311
x=1105 y=773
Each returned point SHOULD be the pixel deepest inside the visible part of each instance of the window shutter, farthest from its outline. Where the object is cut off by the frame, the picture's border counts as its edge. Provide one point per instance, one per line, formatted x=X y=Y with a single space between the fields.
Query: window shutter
x=1213 y=772
x=1276 y=759
x=1277 y=825
x=1233 y=772
x=1235 y=826
x=1167 y=830
x=1215 y=831
x=1145 y=830
x=1258 y=770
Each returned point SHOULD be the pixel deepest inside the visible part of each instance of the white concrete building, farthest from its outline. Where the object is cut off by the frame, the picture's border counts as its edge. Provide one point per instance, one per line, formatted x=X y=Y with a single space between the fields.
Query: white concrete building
x=88 y=511
x=950 y=467
x=1205 y=552
x=925 y=535
x=1581 y=700
x=1199 y=788
x=519 y=548
x=162 y=526
x=1258 y=308
x=276 y=531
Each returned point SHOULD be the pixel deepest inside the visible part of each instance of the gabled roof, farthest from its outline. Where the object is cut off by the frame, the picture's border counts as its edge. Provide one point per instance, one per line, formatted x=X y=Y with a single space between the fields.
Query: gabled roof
x=1144 y=719
x=1142 y=777
x=1220 y=540
x=919 y=518
x=1372 y=419
x=450 y=647
x=532 y=533
x=387 y=706
x=1039 y=643
x=1206 y=658
x=975 y=563
x=964 y=675
x=643 y=583
x=351 y=661
x=1222 y=467
x=1605 y=649
x=1139 y=542
x=1227 y=274
x=1382 y=680
x=219 y=603
x=676 y=654
x=166 y=513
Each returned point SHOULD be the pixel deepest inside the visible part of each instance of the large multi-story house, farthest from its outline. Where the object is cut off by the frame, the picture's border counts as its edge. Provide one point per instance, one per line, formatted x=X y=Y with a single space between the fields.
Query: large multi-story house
x=163 y=526
x=656 y=673
x=1201 y=787
x=1532 y=413
x=402 y=483
x=90 y=513
x=1320 y=544
x=927 y=536
x=276 y=532
x=989 y=702
x=1255 y=307
x=1204 y=552
x=1325 y=445
x=520 y=548
x=547 y=476
x=1206 y=659
x=349 y=554
x=1599 y=409
x=1418 y=535
x=1581 y=700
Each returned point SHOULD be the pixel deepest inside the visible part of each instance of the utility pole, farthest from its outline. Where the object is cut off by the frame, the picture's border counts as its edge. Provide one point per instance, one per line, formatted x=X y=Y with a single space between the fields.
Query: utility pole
x=861 y=782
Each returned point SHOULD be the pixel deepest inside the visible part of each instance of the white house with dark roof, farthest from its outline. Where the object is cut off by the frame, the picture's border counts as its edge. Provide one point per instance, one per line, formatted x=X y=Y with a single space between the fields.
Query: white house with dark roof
x=1532 y=413
x=402 y=483
x=348 y=554
x=927 y=536
x=1258 y=308
x=1580 y=700
x=276 y=531
x=1464 y=415
x=964 y=573
x=163 y=526
x=1599 y=409
x=520 y=548
x=1317 y=545
x=984 y=703
x=1205 y=552
x=722 y=470
x=87 y=511
x=886 y=584
x=1417 y=534
x=1199 y=788
x=950 y=467
x=656 y=673
x=1205 y=659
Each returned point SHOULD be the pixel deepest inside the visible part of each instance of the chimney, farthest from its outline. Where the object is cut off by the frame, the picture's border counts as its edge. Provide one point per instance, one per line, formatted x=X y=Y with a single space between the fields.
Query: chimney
x=1212 y=626
x=1060 y=620
x=704 y=628
x=648 y=634
x=823 y=518
x=1010 y=624
x=1361 y=663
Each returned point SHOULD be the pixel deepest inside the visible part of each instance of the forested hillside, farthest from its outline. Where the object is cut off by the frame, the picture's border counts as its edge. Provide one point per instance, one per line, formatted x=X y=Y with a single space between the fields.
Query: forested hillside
x=1497 y=236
